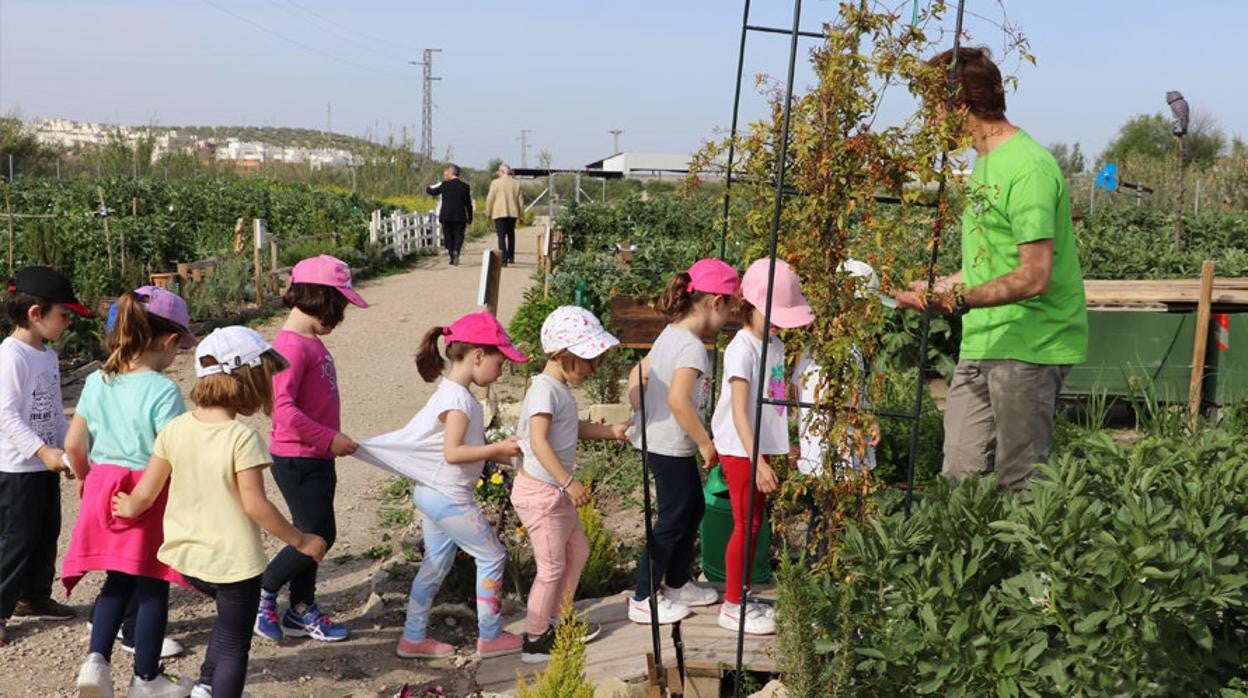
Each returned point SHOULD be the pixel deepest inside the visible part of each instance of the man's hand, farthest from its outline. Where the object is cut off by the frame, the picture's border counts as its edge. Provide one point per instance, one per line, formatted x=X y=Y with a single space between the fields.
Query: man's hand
x=342 y=445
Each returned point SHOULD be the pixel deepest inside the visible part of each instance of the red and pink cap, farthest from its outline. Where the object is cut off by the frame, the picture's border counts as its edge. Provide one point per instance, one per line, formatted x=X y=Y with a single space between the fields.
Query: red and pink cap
x=327 y=271
x=714 y=276
x=484 y=329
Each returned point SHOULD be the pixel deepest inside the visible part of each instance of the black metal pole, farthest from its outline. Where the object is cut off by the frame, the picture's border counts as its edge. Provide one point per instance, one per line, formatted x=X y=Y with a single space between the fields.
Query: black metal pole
x=645 y=496
x=931 y=276
x=781 y=165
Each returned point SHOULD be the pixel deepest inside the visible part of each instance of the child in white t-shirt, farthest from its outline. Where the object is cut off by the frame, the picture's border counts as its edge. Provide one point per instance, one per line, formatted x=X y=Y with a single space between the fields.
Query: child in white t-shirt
x=546 y=494
x=443 y=449
x=734 y=426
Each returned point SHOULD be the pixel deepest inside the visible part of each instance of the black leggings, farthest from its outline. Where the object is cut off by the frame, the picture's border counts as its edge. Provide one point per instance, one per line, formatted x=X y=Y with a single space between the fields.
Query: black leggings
x=225 y=664
x=679 y=489
x=151 y=599
x=308 y=485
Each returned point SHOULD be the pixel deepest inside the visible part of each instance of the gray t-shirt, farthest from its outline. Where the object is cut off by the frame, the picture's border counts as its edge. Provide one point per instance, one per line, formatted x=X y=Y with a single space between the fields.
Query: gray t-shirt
x=549 y=396
x=675 y=348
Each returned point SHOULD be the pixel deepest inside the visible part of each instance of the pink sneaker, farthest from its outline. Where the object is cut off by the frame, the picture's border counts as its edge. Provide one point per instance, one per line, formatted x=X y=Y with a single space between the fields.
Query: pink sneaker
x=427 y=648
x=505 y=643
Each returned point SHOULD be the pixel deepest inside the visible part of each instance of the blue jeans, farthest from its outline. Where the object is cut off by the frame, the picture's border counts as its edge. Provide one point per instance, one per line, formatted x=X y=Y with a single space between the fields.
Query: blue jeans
x=447 y=525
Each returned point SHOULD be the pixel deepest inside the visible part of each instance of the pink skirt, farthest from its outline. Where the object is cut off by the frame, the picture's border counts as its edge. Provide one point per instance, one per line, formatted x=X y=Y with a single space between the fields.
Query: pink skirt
x=103 y=542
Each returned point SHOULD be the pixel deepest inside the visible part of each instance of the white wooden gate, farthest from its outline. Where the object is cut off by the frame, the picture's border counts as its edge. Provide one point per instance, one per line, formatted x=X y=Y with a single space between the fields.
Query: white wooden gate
x=406 y=233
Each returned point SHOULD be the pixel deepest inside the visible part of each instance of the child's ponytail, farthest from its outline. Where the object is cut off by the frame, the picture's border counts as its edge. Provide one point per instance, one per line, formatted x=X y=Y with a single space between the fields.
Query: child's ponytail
x=429 y=361
x=677 y=300
x=131 y=335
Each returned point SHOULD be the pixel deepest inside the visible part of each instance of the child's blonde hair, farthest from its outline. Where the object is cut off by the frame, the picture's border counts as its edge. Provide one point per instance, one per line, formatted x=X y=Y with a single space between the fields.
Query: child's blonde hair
x=245 y=390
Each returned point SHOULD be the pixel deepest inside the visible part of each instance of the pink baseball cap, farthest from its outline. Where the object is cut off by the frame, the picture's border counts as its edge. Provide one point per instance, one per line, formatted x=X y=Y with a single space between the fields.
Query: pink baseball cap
x=714 y=276
x=483 y=328
x=788 y=306
x=164 y=304
x=327 y=271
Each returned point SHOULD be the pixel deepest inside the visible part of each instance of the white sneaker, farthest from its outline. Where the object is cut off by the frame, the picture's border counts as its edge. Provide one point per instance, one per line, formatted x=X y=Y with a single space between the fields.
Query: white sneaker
x=669 y=611
x=163 y=686
x=95 y=678
x=757 y=619
x=169 y=647
x=692 y=594
x=202 y=691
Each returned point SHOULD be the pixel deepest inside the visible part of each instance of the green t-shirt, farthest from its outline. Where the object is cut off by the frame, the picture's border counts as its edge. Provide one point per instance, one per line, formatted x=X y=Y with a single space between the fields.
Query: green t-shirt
x=1016 y=195
x=125 y=412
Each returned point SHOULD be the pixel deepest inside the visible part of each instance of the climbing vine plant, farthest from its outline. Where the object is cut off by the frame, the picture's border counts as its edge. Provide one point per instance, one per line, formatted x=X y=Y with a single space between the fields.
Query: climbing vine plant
x=855 y=188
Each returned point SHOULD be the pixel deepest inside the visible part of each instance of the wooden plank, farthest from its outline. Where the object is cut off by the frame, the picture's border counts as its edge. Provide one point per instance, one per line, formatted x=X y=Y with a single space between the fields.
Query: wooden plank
x=1225 y=291
x=636 y=323
x=1195 y=391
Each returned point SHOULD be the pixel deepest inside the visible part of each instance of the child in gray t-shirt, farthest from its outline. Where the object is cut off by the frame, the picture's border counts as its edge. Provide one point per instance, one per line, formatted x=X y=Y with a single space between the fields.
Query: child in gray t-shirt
x=675 y=376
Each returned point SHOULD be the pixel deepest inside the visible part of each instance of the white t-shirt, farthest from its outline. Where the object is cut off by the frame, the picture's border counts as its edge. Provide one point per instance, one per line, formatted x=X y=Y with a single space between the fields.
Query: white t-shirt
x=806 y=377
x=675 y=348
x=741 y=360
x=31 y=413
x=416 y=451
x=549 y=396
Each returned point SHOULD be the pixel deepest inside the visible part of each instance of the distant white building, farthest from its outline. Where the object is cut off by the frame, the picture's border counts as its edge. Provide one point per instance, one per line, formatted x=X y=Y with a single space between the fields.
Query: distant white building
x=643 y=164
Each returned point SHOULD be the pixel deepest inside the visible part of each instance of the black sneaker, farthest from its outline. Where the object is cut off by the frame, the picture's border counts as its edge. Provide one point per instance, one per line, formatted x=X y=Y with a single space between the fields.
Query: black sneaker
x=537 y=650
x=43 y=609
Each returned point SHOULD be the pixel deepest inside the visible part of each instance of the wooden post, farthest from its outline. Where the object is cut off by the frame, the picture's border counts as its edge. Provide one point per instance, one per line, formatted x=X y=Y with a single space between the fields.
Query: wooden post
x=273 y=257
x=1195 y=391
x=258 y=267
x=8 y=210
x=374 y=227
x=108 y=240
x=134 y=219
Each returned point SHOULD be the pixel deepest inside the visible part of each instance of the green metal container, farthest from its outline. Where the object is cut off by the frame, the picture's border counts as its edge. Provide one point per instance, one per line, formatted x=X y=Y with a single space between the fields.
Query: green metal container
x=1227 y=382
x=1129 y=349
x=717 y=528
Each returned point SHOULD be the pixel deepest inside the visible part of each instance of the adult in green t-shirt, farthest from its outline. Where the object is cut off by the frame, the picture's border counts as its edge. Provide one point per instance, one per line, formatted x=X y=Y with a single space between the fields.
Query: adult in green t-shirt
x=1019 y=292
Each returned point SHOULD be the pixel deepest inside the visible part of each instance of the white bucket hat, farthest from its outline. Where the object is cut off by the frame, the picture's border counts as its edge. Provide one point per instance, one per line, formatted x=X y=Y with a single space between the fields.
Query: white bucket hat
x=577 y=330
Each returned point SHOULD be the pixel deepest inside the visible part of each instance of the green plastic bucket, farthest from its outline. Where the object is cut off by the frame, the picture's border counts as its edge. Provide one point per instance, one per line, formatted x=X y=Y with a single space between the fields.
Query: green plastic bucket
x=717 y=528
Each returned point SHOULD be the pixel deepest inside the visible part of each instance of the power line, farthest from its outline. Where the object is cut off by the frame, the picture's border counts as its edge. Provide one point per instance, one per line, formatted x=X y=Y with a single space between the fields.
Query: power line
x=367 y=44
x=295 y=42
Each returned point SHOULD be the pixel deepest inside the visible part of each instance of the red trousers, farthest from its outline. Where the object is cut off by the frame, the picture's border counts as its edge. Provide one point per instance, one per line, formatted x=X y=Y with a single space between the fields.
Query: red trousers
x=737 y=474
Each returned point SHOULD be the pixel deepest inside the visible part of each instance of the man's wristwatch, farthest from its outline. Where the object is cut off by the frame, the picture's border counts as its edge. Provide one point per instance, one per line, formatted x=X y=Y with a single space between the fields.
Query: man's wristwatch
x=960 y=306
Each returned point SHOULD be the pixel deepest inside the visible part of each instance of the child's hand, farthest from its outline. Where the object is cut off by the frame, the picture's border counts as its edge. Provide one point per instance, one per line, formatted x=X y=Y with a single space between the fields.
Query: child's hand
x=342 y=445
x=619 y=432
x=123 y=506
x=54 y=460
x=767 y=480
x=874 y=432
x=709 y=455
x=507 y=449
x=577 y=493
x=313 y=546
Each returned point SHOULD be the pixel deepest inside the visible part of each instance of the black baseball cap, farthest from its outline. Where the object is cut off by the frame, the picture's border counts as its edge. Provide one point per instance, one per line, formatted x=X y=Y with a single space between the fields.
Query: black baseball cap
x=50 y=285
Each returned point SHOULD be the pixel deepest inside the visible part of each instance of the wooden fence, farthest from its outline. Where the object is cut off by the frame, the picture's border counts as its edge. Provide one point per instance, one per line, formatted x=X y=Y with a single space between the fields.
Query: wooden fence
x=406 y=233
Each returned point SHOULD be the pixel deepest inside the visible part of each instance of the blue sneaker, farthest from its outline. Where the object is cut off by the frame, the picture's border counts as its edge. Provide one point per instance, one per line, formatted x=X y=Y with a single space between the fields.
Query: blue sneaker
x=268 y=626
x=314 y=624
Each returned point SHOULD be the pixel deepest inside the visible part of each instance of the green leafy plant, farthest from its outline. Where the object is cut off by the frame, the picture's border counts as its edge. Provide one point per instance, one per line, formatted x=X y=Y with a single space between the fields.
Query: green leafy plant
x=564 y=676
x=602 y=570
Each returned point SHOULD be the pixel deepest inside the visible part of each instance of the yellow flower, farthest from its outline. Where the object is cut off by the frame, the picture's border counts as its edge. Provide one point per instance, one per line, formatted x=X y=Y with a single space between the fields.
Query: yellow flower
x=479 y=483
x=520 y=530
x=496 y=479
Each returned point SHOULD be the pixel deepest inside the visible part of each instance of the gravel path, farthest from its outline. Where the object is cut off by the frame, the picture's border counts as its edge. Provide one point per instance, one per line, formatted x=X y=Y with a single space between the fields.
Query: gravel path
x=381 y=390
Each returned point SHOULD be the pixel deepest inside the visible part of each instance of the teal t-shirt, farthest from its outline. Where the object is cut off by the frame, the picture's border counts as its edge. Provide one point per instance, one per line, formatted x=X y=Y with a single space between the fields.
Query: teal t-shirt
x=125 y=412
x=1017 y=194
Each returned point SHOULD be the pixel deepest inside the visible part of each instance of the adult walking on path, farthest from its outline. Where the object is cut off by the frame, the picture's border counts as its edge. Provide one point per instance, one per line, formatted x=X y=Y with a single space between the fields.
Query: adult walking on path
x=1019 y=291
x=504 y=204
x=455 y=209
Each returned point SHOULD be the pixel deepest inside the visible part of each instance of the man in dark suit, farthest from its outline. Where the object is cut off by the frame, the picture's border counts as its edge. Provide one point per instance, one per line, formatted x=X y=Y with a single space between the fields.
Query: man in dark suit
x=455 y=211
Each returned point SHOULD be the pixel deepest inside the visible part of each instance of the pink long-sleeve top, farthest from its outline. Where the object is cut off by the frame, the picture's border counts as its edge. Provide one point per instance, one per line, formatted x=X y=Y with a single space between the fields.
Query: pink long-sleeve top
x=306 y=407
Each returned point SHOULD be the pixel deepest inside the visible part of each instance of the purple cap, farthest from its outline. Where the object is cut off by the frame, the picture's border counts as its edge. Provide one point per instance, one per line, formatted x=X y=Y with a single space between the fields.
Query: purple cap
x=163 y=304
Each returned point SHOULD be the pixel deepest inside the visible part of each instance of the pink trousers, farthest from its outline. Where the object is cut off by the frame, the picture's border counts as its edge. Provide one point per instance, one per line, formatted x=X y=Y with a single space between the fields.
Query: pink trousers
x=559 y=547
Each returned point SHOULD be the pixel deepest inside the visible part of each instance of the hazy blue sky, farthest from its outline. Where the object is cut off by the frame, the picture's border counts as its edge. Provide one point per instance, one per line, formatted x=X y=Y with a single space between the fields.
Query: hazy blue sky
x=569 y=70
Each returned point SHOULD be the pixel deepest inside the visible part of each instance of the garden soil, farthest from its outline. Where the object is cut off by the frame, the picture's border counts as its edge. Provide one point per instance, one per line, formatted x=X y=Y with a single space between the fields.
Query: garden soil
x=374 y=350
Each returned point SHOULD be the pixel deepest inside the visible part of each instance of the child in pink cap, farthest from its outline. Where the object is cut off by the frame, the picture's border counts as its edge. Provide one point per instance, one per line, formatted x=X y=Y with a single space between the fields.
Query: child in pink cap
x=734 y=427
x=443 y=450
x=121 y=410
x=546 y=494
x=676 y=372
x=305 y=440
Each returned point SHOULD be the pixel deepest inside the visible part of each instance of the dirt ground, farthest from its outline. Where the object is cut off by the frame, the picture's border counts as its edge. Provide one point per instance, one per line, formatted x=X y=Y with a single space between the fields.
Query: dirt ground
x=381 y=390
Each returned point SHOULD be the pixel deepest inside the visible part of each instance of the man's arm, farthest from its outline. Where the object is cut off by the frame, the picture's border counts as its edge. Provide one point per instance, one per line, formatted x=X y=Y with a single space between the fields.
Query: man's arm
x=1030 y=279
x=434 y=189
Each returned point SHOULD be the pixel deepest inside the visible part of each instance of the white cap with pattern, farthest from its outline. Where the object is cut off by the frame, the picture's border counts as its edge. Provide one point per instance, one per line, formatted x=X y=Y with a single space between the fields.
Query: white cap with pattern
x=577 y=330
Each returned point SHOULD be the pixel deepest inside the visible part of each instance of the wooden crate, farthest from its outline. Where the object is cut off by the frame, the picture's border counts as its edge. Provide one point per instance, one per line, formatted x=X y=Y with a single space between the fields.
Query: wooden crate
x=636 y=324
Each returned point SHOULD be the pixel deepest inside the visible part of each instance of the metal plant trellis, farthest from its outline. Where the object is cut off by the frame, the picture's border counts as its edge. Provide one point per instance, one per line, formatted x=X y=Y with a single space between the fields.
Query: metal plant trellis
x=781 y=190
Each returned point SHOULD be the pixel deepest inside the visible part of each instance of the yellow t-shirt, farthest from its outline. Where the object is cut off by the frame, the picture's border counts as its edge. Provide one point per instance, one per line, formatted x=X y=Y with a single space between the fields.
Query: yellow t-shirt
x=207 y=533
